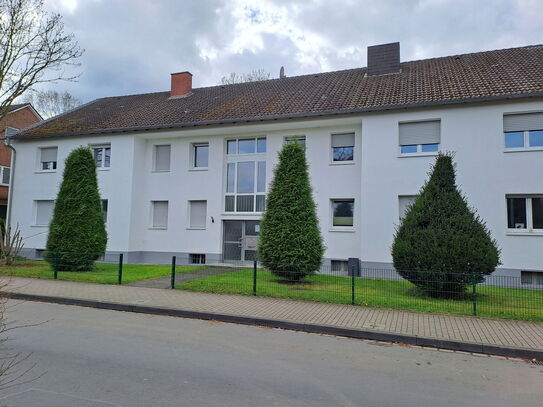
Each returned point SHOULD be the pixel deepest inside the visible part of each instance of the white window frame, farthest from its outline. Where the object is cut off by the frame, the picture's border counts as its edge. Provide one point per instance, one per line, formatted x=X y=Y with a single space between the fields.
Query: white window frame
x=235 y=194
x=296 y=137
x=152 y=215
x=39 y=161
x=190 y=227
x=526 y=147
x=103 y=147
x=529 y=230
x=401 y=215
x=2 y=169
x=35 y=220
x=331 y=155
x=419 y=152
x=331 y=216
x=154 y=157
x=192 y=157
x=237 y=140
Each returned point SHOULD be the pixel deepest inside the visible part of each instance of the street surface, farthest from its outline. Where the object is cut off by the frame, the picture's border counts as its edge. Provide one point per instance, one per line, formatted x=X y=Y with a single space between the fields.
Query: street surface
x=97 y=358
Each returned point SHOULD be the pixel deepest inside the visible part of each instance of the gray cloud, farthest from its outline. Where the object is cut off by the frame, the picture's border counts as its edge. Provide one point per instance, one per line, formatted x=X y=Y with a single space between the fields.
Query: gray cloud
x=133 y=46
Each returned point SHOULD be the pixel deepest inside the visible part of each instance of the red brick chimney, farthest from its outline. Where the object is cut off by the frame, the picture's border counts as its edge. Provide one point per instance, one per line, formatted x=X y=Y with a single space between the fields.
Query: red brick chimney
x=181 y=83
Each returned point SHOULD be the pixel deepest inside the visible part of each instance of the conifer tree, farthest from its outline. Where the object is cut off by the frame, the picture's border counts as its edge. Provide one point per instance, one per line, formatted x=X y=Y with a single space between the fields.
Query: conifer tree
x=442 y=245
x=77 y=234
x=290 y=243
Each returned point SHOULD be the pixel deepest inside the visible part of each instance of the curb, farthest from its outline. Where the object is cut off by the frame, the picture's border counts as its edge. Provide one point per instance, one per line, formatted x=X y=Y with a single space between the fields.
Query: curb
x=293 y=326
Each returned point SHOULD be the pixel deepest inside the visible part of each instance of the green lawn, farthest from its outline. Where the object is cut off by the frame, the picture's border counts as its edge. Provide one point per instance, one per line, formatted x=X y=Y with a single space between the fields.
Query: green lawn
x=105 y=273
x=493 y=302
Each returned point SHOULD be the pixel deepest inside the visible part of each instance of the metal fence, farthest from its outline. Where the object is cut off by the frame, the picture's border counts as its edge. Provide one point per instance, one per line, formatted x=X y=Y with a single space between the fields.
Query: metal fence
x=459 y=293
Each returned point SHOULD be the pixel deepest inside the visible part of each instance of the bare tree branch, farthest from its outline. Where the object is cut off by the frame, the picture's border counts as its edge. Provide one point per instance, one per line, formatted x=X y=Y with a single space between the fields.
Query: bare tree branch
x=253 y=76
x=51 y=103
x=34 y=49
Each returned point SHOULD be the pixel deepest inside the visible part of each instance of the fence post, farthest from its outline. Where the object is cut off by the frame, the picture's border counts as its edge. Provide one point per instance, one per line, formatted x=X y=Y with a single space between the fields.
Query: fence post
x=120 y=281
x=474 y=293
x=173 y=273
x=254 y=277
x=55 y=265
x=352 y=285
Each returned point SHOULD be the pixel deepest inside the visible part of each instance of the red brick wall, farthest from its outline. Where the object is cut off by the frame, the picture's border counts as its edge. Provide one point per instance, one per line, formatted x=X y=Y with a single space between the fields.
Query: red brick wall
x=18 y=120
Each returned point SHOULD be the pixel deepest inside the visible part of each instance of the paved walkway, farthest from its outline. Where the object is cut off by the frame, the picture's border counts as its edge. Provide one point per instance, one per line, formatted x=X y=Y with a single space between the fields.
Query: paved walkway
x=468 y=330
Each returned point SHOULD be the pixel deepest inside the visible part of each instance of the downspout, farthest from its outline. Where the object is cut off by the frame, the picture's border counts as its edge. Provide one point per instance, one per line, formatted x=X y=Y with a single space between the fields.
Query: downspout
x=7 y=141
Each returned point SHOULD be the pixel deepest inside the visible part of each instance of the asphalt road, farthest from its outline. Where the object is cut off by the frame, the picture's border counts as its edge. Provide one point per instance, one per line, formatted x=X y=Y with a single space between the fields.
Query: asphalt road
x=100 y=358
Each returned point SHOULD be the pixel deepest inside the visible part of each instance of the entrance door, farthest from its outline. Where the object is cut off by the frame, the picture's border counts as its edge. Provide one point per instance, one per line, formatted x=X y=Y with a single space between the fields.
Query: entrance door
x=240 y=240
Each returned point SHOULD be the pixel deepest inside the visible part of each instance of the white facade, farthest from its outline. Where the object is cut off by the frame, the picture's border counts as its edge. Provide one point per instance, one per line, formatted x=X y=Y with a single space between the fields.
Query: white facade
x=487 y=172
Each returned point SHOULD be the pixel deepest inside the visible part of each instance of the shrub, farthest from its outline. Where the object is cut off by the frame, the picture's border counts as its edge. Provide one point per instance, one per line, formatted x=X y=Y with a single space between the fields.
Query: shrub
x=77 y=234
x=290 y=243
x=441 y=245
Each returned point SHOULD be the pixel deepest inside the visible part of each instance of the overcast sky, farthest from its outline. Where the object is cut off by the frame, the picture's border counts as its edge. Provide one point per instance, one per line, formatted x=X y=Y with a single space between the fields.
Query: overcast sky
x=132 y=46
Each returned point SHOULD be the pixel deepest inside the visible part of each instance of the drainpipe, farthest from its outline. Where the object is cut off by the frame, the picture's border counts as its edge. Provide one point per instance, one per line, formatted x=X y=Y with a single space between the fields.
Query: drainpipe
x=9 y=132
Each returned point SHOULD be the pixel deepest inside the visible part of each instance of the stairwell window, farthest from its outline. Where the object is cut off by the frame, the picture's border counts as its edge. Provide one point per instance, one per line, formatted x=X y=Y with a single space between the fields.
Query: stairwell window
x=48 y=158
x=102 y=155
x=523 y=132
x=419 y=138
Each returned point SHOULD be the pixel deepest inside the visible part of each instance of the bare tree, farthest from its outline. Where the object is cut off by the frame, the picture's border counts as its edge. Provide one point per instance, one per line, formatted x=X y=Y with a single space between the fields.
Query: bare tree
x=34 y=49
x=51 y=103
x=253 y=76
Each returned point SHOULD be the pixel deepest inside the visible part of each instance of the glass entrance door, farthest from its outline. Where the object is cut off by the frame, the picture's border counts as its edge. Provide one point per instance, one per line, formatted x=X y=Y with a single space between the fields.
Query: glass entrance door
x=240 y=240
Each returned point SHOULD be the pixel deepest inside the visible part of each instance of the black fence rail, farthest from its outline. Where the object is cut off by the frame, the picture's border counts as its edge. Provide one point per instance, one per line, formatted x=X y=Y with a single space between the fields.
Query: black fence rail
x=459 y=293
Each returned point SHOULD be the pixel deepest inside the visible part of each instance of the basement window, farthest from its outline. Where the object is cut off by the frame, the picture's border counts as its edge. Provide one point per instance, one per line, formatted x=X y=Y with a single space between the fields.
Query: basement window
x=197 y=258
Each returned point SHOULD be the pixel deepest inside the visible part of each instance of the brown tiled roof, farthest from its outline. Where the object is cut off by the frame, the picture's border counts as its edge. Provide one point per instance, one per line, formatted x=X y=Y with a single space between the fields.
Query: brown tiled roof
x=501 y=74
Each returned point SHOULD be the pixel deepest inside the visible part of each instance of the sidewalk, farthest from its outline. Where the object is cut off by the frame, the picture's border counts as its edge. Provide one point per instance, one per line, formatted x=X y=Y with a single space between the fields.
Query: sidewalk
x=499 y=337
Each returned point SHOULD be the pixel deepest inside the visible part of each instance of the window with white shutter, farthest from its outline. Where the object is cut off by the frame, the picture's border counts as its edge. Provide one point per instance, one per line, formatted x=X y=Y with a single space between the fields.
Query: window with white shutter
x=48 y=158
x=419 y=137
x=159 y=214
x=162 y=158
x=523 y=131
x=44 y=212
x=197 y=214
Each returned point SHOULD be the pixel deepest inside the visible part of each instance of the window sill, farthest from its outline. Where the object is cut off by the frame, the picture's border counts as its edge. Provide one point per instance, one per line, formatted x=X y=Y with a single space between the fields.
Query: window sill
x=198 y=168
x=522 y=150
x=347 y=230
x=343 y=162
x=44 y=171
x=242 y=213
x=524 y=232
x=102 y=169
x=39 y=226
x=194 y=228
x=433 y=154
x=158 y=228
x=161 y=171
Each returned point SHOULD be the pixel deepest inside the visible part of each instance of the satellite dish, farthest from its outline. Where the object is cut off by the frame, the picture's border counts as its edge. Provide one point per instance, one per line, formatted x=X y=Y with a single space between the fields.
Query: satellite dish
x=282 y=73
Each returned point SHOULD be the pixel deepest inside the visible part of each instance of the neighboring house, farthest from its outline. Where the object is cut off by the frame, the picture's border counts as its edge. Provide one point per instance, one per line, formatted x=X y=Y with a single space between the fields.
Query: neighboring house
x=186 y=171
x=18 y=117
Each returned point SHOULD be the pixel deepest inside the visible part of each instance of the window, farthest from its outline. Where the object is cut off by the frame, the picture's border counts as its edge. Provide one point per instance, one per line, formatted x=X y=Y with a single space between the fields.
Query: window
x=419 y=137
x=200 y=155
x=341 y=266
x=197 y=214
x=44 y=212
x=245 y=186
x=48 y=158
x=342 y=212
x=159 y=214
x=295 y=139
x=523 y=131
x=104 y=209
x=162 y=158
x=102 y=155
x=4 y=175
x=404 y=203
x=525 y=213
x=342 y=147
x=531 y=277
x=197 y=258
x=246 y=146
